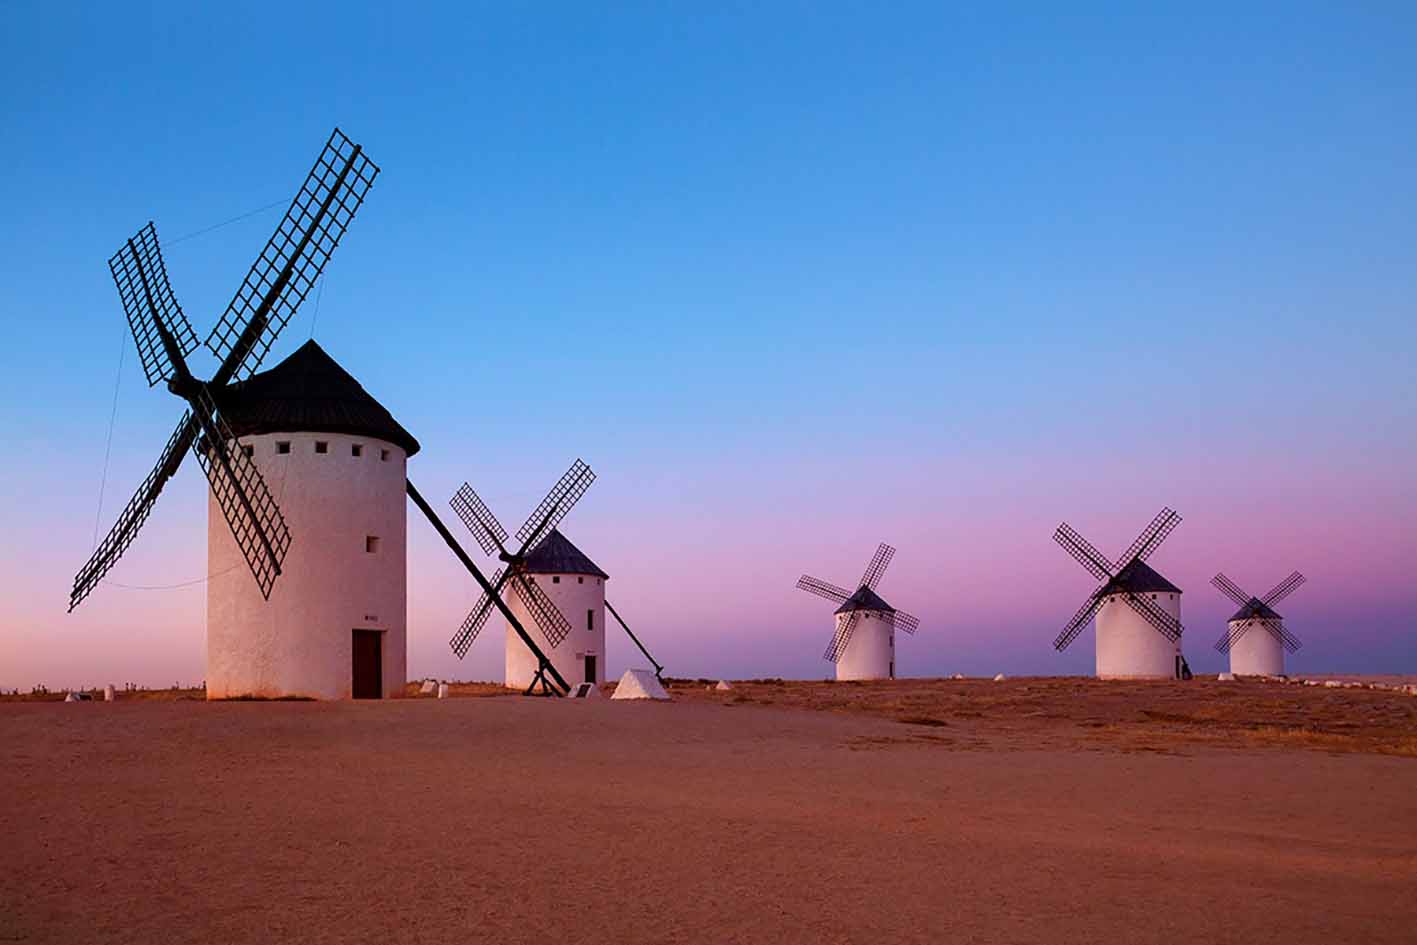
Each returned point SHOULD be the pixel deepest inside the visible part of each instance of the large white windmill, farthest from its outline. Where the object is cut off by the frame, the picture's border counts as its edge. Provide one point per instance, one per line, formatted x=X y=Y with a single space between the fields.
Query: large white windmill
x=1253 y=653
x=863 y=643
x=334 y=625
x=1138 y=611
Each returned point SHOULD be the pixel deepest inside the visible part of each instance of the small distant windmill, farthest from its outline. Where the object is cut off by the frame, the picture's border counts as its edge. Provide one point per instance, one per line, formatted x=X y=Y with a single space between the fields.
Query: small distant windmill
x=1138 y=611
x=1257 y=654
x=863 y=645
x=277 y=283
x=548 y=575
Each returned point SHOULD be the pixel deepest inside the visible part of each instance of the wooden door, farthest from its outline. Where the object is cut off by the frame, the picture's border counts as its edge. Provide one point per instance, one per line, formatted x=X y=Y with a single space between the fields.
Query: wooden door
x=368 y=665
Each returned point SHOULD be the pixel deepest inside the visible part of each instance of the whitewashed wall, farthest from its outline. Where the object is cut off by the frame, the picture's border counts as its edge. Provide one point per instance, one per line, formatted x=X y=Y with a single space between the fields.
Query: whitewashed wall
x=299 y=642
x=1130 y=648
x=1257 y=653
x=870 y=650
x=574 y=594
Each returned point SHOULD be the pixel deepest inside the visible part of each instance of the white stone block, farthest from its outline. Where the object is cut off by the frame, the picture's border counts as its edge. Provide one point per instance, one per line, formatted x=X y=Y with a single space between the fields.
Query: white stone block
x=442 y=690
x=108 y=694
x=723 y=685
x=639 y=684
x=429 y=687
x=1225 y=677
x=1000 y=677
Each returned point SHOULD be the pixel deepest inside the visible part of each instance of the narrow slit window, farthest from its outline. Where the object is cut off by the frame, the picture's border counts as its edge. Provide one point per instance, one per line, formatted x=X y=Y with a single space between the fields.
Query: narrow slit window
x=590 y=620
x=321 y=446
x=580 y=580
x=371 y=544
x=383 y=456
x=356 y=449
x=283 y=447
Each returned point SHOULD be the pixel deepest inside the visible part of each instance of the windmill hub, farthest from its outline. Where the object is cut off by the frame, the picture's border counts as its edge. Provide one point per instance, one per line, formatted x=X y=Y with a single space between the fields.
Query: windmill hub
x=184 y=385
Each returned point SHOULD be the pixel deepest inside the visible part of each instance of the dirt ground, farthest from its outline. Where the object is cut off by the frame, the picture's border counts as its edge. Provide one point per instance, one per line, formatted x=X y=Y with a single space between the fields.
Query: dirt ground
x=1053 y=811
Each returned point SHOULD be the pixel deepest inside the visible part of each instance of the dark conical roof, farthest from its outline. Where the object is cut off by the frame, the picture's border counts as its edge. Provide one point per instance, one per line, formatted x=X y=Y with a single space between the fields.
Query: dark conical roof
x=309 y=393
x=1139 y=577
x=556 y=555
x=1256 y=609
x=865 y=599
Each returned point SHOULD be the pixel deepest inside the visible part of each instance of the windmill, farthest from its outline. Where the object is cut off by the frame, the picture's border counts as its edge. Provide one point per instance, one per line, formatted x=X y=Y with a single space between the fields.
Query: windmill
x=1138 y=611
x=548 y=577
x=863 y=644
x=263 y=305
x=1257 y=654
x=244 y=424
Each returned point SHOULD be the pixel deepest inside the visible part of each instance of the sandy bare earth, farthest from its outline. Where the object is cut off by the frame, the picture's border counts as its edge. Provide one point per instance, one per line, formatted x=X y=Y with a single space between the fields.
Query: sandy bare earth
x=720 y=818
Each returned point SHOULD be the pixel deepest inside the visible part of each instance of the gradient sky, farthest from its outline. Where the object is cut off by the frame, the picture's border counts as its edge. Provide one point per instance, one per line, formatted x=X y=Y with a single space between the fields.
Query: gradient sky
x=793 y=281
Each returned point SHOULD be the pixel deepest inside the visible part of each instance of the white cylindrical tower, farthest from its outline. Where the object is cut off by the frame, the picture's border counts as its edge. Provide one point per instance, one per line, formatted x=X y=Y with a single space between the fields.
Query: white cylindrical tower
x=870 y=653
x=1256 y=652
x=1128 y=646
x=577 y=587
x=335 y=625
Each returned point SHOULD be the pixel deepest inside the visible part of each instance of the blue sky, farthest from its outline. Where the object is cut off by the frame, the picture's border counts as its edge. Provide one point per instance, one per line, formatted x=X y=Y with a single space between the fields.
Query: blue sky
x=793 y=280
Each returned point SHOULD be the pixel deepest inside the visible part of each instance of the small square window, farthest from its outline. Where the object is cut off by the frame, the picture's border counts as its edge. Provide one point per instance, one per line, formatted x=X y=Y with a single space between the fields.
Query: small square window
x=580 y=580
x=371 y=544
x=247 y=451
x=383 y=456
x=321 y=446
x=283 y=447
x=555 y=579
x=356 y=449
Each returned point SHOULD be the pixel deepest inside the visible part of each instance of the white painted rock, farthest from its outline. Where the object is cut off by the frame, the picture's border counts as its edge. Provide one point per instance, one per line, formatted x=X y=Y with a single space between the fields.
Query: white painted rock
x=723 y=685
x=999 y=678
x=639 y=684
x=442 y=690
x=1312 y=682
x=1332 y=684
x=108 y=694
x=1225 y=677
x=957 y=676
x=429 y=687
